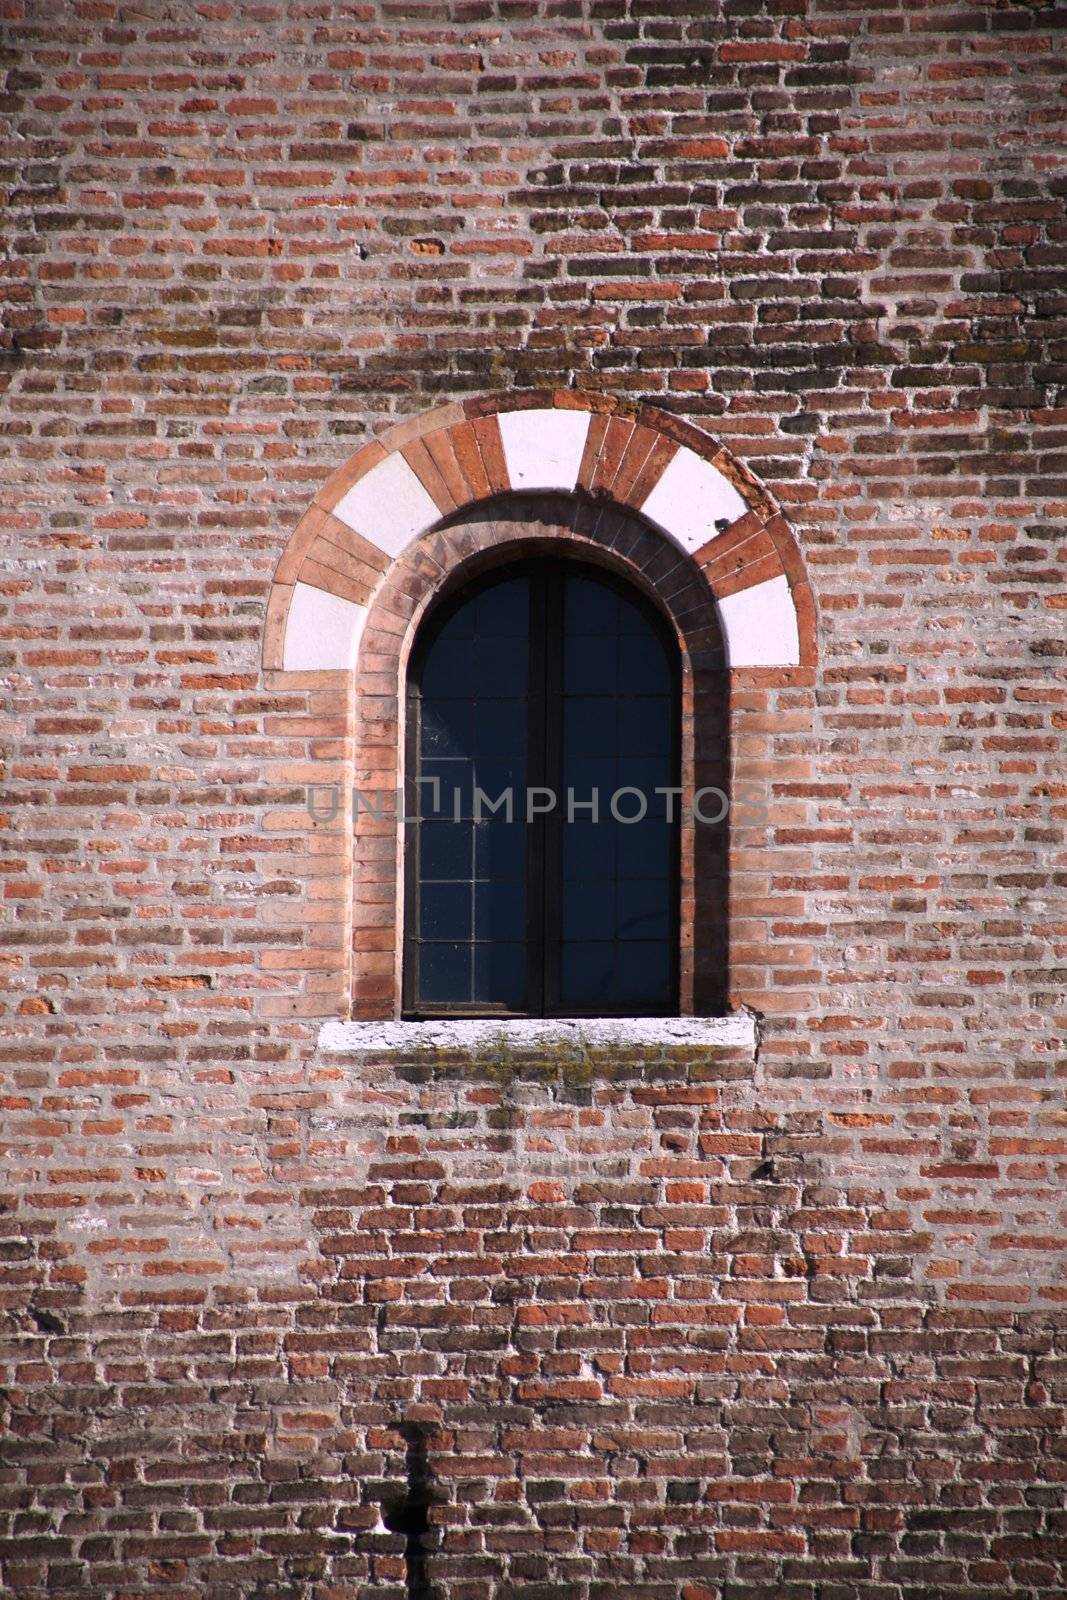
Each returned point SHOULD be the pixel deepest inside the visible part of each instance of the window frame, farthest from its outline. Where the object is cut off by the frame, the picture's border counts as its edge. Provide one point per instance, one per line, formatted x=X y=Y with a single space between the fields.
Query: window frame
x=544 y=838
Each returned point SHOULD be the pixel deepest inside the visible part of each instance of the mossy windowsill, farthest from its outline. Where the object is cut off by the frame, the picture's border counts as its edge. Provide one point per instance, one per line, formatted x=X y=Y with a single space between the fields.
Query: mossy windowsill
x=587 y=1045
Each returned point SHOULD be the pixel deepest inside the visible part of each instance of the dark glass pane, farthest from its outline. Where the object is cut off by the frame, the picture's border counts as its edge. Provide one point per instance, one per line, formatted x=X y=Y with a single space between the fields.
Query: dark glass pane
x=589 y=777
x=587 y=975
x=444 y=973
x=589 y=726
x=649 y=728
x=500 y=974
x=609 y=887
x=643 y=665
x=460 y=625
x=473 y=727
x=447 y=727
x=643 y=908
x=448 y=668
x=499 y=727
x=445 y=911
x=503 y=609
x=590 y=607
x=588 y=850
x=500 y=910
x=643 y=973
x=495 y=778
x=445 y=850
x=647 y=774
x=447 y=789
x=645 y=850
x=502 y=665
x=500 y=849
x=589 y=664
x=617 y=885
x=633 y=620
x=588 y=909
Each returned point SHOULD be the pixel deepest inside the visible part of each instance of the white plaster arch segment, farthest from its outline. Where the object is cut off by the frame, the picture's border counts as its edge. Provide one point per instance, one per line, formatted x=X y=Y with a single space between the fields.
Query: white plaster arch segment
x=690 y=498
x=681 y=480
x=759 y=626
x=388 y=506
x=543 y=448
x=322 y=631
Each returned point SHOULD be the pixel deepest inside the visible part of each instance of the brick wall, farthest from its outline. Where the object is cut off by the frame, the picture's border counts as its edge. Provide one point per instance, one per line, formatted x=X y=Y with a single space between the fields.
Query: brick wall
x=677 y=1326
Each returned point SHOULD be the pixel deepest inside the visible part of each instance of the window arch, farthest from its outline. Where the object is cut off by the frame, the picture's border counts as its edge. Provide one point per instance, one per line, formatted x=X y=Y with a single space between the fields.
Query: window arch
x=542 y=775
x=431 y=503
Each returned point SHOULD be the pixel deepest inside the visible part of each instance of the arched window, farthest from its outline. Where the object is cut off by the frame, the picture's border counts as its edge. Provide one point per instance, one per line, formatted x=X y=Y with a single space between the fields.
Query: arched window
x=543 y=746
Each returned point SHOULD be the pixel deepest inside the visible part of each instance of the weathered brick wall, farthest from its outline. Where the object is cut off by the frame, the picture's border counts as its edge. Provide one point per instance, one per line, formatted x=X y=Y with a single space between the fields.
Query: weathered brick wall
x=676 y=1327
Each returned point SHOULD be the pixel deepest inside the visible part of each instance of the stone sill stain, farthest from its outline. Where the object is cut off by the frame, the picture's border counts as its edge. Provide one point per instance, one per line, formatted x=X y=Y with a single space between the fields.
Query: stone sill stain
x=570 y=1054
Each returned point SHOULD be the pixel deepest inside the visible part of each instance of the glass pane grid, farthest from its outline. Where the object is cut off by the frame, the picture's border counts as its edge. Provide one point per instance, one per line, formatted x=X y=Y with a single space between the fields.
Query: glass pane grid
x=614 y=922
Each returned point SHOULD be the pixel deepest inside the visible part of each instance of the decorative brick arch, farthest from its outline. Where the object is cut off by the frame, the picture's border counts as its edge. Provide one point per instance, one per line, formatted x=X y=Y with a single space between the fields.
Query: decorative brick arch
x=426 y=506
x=641 y=459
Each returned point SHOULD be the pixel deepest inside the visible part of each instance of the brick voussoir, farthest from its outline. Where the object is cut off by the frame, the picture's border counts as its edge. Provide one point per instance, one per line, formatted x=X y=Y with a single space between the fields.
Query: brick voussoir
x=594 y=443
x=303 y=536
x=644 y=480
x=616 y=442
x=486 y=432
x=429 y=475
x=401 y=434
x=747 y=576
x=465 y=447
x=274 y=626
x=441 y=449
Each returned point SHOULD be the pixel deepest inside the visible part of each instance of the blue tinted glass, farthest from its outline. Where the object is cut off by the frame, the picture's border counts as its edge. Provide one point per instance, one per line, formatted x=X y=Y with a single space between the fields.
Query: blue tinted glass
x=588 y=909
x=587 y=971
x=499 y=727
x=447 y=727
x=648 y=726
x=495 y=777
x=445 y=850
x=643 y=665
x=445 y=911
x=643 y=972
x=588 y=850
x=615 y=723
x=646 y=774
x=460 y=625
x=449 y=669
x=590 y=776
x=618 y=735
x=500 y=910
x=473 y=688
x=590 y=607
x=503 y=610
x=633 y=619
x=645 y=849
x=589 y=664
x=500 y=974
x=447 y=789
x=643 y=908
x=500 y=850
x=445 y=972
x=501 y=666
x=589 y=726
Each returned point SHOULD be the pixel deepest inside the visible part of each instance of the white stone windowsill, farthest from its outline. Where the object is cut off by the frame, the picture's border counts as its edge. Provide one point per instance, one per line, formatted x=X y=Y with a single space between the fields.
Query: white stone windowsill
x=447 y=1033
